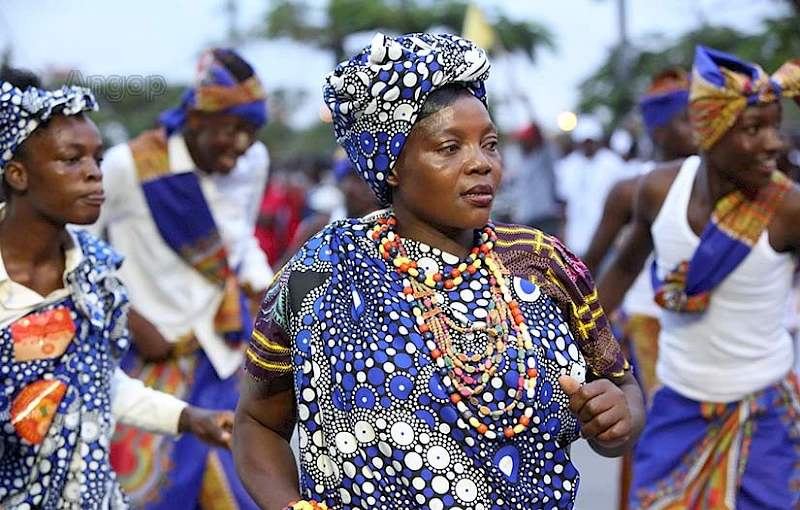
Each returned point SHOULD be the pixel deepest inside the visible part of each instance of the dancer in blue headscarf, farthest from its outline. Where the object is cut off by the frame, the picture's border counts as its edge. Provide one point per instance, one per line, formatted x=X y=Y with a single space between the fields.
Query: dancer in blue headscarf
x=723 y=431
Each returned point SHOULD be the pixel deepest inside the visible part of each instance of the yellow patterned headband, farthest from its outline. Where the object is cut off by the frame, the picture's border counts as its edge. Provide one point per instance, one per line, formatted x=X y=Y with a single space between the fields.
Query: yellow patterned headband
x=724 y=86
x=216 y=98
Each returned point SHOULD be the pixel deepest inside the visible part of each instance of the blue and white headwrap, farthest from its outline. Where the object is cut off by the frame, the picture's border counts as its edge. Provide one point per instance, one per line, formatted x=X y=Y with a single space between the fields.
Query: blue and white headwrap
x=374 y=98
x=22 y=112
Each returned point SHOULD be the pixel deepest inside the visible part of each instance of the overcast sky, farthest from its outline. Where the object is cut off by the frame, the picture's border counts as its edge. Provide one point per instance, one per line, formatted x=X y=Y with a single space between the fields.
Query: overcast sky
x=163 y=37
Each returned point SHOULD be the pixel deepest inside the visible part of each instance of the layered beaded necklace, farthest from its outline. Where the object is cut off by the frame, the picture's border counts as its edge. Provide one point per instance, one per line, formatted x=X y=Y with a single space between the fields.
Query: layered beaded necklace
x=467 y=376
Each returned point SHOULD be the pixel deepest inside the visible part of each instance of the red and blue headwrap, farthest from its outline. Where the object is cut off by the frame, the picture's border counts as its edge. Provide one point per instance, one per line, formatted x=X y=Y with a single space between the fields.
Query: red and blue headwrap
x=217 y=90
x=723 y=86
x=667 y=96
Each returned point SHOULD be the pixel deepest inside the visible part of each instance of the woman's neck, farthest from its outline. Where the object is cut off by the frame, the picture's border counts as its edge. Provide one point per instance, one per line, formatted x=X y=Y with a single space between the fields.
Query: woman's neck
x=28 y=239
x=459 y=242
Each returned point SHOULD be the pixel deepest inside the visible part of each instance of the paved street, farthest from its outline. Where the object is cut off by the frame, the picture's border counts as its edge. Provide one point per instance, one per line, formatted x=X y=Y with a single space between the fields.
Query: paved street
x=599 y=479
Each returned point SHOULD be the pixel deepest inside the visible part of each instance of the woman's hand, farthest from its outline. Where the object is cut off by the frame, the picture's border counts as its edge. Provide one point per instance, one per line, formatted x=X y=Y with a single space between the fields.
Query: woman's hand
x=611 y=416
x=209 y=426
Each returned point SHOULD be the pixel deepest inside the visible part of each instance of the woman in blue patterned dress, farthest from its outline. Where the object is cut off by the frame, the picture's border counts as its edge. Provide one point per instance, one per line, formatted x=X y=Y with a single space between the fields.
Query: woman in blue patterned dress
x=430 y=358
x=63 y=313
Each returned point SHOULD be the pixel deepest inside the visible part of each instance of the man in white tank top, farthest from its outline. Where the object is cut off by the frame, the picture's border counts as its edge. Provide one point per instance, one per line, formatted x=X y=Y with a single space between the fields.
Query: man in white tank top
x=724 y=431
x=666 y=118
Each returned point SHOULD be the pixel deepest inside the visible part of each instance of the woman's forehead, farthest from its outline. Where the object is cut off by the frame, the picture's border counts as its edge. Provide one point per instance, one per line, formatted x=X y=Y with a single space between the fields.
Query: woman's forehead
x=760 y=111
x=465 y=113
x=73 y=130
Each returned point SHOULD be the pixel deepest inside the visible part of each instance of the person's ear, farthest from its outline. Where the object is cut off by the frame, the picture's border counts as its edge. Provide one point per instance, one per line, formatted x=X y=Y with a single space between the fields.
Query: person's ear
x=16 y=175
x=193 y=120
x=392 y=179
x=659 y=135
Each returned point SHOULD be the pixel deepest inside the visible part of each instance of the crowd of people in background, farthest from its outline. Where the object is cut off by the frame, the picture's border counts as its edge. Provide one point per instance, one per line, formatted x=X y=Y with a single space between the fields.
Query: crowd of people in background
x=535 y=191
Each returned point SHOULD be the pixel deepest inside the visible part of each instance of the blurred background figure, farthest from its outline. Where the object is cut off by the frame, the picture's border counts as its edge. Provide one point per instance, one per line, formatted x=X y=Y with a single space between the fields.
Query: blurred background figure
x=358 y=201
x=282 y=209
x=358 y=198
x=533 y=181
x=584 y=178
x=323 y=195
x=181 y=206
x=623 y=142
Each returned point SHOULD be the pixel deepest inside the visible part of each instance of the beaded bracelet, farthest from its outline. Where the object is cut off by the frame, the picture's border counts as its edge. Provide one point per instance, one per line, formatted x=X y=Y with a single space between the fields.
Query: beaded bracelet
x=306 y=505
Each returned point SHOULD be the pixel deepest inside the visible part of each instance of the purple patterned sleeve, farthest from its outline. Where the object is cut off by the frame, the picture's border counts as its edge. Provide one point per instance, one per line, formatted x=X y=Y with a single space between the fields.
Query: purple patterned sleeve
x=533 y=254
x=269 y=354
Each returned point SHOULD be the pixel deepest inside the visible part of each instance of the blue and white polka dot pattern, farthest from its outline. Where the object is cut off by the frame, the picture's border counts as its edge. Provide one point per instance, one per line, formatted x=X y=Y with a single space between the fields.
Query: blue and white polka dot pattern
x=377 y=427
x=376 y=95
x=70 y=468
x=22 y=112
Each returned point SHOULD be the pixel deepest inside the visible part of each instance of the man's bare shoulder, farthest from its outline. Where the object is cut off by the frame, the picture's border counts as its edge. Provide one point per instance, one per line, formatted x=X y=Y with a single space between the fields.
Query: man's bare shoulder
x=784 y=232
x=654 y=187
x=789 y=210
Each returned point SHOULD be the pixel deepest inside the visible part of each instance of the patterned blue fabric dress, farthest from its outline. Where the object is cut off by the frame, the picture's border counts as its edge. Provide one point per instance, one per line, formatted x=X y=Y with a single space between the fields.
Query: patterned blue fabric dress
x=377 y=426
x=70 y=468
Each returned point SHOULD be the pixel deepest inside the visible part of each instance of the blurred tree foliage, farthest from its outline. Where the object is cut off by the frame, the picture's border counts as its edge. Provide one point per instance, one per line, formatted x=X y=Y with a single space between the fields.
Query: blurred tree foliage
x=290 y=18
x=778 y=40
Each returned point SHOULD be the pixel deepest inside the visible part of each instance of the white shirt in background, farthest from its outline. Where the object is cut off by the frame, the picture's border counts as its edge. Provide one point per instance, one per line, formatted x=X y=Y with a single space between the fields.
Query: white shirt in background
x=132 y=403
x=639 y=300
x=584 y=184
x=163 y=288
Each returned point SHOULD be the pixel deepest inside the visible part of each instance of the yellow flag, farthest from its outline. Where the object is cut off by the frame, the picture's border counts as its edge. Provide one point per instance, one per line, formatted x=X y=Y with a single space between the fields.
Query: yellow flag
x=477 y=29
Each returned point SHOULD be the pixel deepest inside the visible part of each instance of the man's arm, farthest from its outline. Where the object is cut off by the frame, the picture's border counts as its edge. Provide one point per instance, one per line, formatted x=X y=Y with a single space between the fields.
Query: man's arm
x=648 y=198
x=136 y=405
x=784 y=232
x=617 y=213
x=265 y=419
x=149 y=342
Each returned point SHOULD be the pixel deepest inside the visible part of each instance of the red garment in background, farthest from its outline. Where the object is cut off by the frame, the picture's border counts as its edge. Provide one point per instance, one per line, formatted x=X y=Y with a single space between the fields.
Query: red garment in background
x=283 y=205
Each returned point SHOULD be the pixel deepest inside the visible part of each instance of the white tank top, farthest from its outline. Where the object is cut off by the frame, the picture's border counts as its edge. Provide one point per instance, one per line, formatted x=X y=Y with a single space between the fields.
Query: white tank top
x=639 y=300
x=740 y=344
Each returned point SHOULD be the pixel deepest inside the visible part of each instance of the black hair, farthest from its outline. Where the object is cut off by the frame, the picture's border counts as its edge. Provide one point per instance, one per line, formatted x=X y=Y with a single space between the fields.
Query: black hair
x=23 y=79
x=20 y=78
x=238 y=67
x=441 y=98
